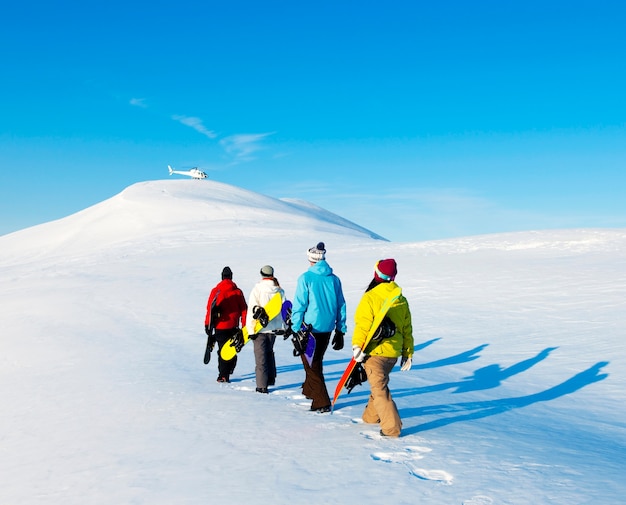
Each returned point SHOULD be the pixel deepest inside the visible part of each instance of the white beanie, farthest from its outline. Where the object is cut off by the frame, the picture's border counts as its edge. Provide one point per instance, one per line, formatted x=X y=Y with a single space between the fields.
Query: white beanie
x=316 y=253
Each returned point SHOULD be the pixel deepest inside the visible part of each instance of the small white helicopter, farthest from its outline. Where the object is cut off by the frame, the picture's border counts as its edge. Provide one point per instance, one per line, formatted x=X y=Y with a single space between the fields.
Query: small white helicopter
x=194 y=173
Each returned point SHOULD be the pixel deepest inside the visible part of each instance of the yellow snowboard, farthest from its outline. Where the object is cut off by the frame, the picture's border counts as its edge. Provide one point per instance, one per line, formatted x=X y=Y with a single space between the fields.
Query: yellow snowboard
x=272 y=308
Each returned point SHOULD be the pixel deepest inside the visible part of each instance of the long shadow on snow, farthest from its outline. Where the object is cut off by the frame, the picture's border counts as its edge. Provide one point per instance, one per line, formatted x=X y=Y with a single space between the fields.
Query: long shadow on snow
x=480 y=409
x=488 y=377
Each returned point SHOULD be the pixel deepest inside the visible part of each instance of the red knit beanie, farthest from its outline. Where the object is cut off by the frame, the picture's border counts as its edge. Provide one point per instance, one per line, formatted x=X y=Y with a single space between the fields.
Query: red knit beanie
x=385 y=270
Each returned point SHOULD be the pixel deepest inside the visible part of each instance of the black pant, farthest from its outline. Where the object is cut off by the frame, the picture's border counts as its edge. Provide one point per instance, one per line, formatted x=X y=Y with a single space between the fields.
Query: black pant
x=314 y=386
x=225 y=368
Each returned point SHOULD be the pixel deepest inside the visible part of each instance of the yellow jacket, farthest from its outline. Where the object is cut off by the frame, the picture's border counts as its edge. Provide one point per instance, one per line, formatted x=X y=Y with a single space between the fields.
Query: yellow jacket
x=400 y=344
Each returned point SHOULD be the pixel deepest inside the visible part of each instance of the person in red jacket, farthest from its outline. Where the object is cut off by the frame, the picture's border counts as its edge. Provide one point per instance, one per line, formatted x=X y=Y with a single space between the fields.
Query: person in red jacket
x=224 y=320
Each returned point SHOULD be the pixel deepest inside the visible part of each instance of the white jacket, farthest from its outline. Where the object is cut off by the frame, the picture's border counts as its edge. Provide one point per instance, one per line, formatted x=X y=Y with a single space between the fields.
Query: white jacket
x=262 y=293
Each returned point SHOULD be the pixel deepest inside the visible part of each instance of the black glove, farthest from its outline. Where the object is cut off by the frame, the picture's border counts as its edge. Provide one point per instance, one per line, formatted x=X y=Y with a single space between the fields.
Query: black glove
x=357 y=377
x=337 y=340
x=207 y=330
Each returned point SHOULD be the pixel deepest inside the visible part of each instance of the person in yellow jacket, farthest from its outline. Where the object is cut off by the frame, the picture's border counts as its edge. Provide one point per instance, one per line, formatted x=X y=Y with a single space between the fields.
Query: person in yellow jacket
x=394 y=338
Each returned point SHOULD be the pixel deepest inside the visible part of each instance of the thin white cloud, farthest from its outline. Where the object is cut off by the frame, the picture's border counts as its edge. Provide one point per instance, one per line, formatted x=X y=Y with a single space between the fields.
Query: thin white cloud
x=242 y=146
x=139 y=102
x=196 y=124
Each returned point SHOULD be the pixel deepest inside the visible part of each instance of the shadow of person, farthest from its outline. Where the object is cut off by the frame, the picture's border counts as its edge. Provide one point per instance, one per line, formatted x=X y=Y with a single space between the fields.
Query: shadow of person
x=478 y=410
x=492 y=376
x=463 y=357
x=488 y=377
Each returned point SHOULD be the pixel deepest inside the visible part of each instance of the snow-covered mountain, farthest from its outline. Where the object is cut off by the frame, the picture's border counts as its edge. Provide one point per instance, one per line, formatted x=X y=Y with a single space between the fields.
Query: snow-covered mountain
x=516 y=395
x=168 y=210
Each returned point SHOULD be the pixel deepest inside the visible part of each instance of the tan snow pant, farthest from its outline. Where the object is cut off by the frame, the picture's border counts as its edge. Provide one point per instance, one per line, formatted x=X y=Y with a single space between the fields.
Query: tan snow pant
x=381 y=407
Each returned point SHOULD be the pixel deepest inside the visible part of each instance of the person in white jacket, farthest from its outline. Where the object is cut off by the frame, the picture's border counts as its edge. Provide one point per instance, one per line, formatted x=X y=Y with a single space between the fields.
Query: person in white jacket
x=262 y=293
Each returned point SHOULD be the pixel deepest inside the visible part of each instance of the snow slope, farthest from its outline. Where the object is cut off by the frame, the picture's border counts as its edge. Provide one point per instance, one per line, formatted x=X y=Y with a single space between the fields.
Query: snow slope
x=516 y=395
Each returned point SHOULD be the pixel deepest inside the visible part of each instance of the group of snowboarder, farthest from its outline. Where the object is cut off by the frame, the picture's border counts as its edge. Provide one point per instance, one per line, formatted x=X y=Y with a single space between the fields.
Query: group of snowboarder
x=318 y=312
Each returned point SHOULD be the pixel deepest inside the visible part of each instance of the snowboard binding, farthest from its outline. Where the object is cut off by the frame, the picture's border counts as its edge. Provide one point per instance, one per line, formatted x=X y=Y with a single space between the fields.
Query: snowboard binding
x=357 y=377
x=386 y=330
x=260 y=315
x=300 y=339
x=237 y=339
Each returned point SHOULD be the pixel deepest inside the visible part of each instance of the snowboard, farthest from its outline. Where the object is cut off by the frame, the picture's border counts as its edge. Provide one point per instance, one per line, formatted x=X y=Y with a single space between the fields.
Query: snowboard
x=303 y=340
x=387 y=304
x=210 y=342
x=209 y=348
x=272 y=308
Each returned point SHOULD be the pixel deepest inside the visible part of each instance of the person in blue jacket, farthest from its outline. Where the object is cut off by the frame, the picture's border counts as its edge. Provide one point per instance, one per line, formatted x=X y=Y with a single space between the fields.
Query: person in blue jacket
x=319 y=301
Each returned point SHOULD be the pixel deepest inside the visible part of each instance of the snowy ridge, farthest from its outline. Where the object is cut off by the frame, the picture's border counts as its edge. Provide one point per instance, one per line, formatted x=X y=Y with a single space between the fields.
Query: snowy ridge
x=517 y=393
x=175 y=211
x=320 y=213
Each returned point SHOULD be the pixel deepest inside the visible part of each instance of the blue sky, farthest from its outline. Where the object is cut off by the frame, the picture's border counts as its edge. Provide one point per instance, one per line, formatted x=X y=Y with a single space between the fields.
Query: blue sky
x=419 y=120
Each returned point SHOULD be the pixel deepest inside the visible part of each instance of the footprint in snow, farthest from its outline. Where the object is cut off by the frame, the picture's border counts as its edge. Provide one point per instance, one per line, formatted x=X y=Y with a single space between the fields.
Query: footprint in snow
x=239 y=388
x=436 y=475
x=407 y=456
x=410 y=453
x=374 y=435
x=478 y=500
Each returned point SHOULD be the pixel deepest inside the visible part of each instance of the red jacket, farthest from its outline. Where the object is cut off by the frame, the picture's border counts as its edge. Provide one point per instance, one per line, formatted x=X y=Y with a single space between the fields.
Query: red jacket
x=231 y=307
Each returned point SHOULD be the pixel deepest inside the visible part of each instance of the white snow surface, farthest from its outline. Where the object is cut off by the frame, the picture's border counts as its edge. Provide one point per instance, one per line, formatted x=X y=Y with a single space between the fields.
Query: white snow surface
x=517 y=393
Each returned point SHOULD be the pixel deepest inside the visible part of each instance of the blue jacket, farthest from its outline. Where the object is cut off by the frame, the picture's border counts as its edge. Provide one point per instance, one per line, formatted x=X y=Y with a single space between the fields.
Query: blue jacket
x=319 y=300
